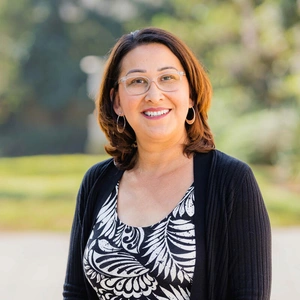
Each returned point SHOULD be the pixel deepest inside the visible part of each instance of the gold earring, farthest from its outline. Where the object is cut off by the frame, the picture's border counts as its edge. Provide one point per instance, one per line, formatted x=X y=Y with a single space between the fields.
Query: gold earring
x=121 y=130
x=190 y=122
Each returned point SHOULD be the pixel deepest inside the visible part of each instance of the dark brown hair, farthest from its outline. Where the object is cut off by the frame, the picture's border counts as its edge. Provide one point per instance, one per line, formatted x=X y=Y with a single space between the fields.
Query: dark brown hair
x=122 y=146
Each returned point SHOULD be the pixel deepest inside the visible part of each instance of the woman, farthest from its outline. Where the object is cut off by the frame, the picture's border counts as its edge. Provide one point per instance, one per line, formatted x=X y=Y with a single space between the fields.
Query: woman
x=168 y=217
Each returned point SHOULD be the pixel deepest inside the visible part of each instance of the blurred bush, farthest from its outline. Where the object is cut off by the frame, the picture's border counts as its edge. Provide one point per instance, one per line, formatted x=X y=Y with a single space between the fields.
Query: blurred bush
x=250 y=48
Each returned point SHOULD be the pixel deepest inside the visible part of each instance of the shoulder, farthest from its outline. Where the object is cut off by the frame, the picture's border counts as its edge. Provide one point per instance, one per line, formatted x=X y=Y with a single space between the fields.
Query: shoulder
x=100 y=166
x=223 y=161
x=96 y=171
x=219 y=161
x=229 y=170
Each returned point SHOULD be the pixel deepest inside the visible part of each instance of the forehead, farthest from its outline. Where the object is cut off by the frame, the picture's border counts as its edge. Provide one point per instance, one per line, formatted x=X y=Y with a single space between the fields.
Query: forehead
x=149 y=57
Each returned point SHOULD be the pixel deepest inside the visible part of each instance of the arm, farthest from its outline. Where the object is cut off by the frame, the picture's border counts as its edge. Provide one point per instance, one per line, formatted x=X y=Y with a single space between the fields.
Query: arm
x=74 y=286
x=249 y=243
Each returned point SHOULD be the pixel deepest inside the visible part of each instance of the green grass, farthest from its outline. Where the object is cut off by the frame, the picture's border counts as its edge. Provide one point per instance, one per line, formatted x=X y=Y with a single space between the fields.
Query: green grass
x=39 y=192
x=282 y=196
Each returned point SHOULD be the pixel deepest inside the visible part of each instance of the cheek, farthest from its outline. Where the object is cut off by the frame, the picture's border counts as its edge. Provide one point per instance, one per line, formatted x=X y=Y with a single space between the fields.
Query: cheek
x=186 y=101
x=185 y=94
x=129 y=105
x=123 y=101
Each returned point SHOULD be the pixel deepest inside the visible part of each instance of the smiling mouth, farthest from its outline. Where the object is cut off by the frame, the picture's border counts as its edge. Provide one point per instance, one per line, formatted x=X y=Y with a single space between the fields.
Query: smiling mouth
x=156 y=113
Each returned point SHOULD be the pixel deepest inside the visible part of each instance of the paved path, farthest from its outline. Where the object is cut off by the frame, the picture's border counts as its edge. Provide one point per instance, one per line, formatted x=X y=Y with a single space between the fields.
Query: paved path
x=32 y=265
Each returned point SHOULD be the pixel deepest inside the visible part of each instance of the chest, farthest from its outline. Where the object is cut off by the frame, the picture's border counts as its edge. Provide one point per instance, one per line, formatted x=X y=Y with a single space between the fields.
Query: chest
x=144 y=203
x=153 y=262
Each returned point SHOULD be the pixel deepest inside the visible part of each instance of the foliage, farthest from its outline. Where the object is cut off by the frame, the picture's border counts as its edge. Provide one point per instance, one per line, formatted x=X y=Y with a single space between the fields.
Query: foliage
x=13 y=48
x=250 y=48
x=41 y=194
x=45 y=112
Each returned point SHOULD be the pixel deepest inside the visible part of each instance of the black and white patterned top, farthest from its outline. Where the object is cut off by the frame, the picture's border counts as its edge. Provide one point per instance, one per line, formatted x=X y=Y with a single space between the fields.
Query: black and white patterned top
x=154 y=262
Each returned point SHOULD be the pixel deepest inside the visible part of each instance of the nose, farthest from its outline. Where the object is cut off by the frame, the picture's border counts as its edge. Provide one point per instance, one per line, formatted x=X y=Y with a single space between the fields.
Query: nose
x=154 y=93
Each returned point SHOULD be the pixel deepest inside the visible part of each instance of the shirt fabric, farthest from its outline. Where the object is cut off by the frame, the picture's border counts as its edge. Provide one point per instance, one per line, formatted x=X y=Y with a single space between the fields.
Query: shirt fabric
x=234 y=235
x=152 y=262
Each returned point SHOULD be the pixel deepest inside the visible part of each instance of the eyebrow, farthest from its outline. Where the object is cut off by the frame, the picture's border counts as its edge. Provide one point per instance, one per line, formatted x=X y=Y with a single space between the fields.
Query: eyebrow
x=166 y=68
x=136 y=71
x=144 y=71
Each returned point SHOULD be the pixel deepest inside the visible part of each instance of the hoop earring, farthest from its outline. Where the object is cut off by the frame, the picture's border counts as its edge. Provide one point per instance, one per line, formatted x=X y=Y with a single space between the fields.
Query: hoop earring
x=121 y=130
x=190 y=122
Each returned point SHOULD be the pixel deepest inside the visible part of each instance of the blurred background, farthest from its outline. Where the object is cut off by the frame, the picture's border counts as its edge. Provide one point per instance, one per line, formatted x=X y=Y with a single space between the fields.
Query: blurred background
x=52 y=54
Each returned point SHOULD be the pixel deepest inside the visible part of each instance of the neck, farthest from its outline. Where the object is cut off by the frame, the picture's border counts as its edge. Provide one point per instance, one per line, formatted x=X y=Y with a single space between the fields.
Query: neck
x=158 y=159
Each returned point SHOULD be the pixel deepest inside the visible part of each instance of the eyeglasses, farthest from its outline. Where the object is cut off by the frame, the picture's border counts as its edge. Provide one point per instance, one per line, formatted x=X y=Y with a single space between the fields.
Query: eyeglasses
x=138 y=85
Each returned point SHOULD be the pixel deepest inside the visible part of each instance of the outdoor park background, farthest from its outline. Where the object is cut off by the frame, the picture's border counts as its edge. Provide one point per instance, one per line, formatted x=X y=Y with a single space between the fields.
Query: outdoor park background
x=52 y=54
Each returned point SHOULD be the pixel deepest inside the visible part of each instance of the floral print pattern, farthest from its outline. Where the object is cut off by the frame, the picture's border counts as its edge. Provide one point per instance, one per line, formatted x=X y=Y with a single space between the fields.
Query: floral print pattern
x=154 y=262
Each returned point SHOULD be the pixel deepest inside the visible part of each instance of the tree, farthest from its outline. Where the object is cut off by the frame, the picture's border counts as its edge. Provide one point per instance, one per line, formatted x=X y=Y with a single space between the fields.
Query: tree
x=251 y=50
x=46 y=110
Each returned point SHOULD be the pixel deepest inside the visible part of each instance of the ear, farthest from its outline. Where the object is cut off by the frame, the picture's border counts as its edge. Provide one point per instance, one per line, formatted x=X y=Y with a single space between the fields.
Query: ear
x=191 y=103
x=114 y=98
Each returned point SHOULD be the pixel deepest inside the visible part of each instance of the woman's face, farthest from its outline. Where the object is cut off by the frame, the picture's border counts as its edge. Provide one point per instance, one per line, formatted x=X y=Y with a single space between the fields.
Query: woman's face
x=156 y=115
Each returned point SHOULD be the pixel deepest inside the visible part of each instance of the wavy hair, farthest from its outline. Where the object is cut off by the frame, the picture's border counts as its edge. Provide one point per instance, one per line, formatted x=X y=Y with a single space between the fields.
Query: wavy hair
x=122 y=146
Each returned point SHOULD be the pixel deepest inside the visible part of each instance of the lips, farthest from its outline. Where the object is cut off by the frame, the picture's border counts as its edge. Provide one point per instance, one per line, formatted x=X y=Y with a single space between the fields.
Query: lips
x=151 y=113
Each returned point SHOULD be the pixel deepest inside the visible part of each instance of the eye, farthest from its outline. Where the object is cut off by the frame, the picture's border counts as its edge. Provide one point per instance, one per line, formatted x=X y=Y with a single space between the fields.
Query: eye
x=136 y=81
x=169 y=77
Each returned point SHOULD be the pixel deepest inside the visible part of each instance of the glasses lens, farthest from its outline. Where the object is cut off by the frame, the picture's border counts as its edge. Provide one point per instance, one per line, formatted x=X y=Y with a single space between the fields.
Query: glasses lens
x=168 y=82
x=136 y=85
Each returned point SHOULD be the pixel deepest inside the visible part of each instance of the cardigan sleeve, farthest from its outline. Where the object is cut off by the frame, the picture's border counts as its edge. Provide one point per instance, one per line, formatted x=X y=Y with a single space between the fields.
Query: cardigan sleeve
x=249 y=243
x=74 y=286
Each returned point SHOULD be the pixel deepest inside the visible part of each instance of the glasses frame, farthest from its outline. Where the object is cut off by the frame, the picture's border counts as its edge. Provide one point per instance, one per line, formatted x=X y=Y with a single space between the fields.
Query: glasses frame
x=123 y=79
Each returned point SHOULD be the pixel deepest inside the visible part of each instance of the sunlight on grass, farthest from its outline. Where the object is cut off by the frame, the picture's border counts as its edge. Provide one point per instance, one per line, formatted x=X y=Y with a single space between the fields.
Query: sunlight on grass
x=36 y=215
x=282 y=197
x=39 y=192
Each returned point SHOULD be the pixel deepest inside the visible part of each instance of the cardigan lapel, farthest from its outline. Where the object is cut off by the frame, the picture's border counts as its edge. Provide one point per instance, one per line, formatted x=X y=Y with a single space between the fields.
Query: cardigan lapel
x=202 y=167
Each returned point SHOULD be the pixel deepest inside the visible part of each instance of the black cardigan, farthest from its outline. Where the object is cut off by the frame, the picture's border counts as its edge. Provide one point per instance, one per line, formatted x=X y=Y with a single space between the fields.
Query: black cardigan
x=236 y=230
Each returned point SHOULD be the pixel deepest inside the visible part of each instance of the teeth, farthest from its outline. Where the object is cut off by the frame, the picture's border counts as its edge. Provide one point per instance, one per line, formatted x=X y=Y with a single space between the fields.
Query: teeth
x=156 y=113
